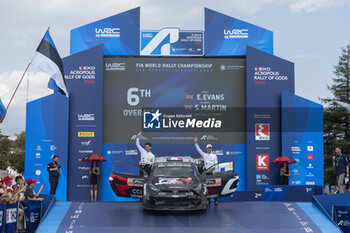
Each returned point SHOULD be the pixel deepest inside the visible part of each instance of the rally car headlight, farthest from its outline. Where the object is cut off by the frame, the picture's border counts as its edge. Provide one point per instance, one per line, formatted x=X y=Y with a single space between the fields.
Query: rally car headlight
x=198 y=189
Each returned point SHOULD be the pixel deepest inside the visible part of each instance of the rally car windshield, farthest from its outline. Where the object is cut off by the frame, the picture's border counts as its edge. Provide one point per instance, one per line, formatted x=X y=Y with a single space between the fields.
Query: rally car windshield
x=175 y=172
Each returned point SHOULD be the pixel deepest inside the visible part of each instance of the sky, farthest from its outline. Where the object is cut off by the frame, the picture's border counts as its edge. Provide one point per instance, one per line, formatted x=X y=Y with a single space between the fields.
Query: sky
x=309 y=33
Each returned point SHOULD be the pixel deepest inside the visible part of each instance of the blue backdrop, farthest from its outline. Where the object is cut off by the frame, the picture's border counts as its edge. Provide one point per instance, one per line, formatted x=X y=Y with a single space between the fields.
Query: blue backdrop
x=267 y=76
x=83 y=74
x=119 y=34
x=302 y=139
x=228 y=36
x=46 y=135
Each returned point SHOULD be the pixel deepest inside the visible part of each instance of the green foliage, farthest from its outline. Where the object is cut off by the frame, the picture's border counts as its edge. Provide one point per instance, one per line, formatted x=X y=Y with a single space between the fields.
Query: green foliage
x=12 y=152
x=337 y=119
x=18 y=150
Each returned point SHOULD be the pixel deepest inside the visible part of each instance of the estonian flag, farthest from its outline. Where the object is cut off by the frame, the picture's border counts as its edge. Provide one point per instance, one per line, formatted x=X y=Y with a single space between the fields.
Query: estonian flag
x=47 y=59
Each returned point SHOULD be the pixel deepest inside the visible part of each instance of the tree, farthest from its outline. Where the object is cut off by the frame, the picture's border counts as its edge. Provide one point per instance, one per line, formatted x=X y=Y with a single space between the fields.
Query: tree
x=18 y=150
x=336 y=118
x=5 y=150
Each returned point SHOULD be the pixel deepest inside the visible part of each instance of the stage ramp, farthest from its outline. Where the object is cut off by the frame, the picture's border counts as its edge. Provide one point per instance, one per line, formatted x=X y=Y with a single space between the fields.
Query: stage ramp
x=90 y=217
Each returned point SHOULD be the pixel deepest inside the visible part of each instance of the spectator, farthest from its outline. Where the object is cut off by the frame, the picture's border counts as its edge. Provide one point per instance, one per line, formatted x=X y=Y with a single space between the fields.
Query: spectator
x=341 y=164
x=18 y=189
x=8 y=183
x=29 y=193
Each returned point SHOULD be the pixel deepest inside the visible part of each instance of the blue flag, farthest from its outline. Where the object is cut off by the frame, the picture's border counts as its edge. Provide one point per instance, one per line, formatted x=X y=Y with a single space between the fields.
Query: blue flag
x=2 y=110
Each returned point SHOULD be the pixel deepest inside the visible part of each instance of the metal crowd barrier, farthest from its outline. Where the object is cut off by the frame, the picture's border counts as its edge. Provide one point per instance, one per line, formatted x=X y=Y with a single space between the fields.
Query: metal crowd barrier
x=33 y=214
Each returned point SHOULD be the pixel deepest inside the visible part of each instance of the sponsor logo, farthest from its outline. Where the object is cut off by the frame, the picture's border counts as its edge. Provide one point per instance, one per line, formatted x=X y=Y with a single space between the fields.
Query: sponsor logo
x=262 y=132
x=86 y=151
x=131 y=152
x=218 y=152
x=38 y=164
x=310 y=157
x=114 y=152
x=209 y=137
x=87 y=143
x=37 y=155
x=83 y=168
x=53 y=148
x=151 y=120
x=295 y=149
x=308 y=190
x=297 y=160
x=277 y=189
x=84 y=73
x=296 y=182
x=115 y=66
x=310 y=166
x=38 y=172
x=86 y=117
x=107 y=32
x=268 y=190
x=262 y=75
x=262 y=162
x=86 y=134
x=260 y=177
x=310 y=182
x=38 y=148
x=310 y=148
x=296 y=172
x=310 y=174
x=85 y=177
x=136 y=191
x=236 y=34
x=232 y=152
x=157 y=120
x=11 y=215
x=171 y=35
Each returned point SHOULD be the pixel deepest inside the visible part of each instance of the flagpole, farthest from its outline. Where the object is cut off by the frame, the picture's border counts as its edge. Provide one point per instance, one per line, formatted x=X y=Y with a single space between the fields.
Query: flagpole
x=8 y=105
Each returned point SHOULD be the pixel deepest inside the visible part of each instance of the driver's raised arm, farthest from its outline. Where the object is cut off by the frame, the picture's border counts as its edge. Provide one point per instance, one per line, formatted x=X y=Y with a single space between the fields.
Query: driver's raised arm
x=141 y=149
x=204 y=155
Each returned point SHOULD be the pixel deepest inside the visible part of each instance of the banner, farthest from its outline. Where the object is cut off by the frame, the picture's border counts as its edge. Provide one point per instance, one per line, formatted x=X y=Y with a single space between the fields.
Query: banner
x=267 y=76
x=2 y=216
x=172 y=42
x=299 y=193
x=32 y=213
x=341 y=216
x=120 y=34
x=11 y=218
x=83 y=75
x=206 y=85
x=228 y=36
x=47 y=135
x=302 y=139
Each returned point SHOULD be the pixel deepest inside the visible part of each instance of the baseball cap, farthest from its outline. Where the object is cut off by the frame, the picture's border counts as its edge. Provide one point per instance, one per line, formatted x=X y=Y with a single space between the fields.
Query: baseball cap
x=31 y=181
x=7 y=179
x=209 y=146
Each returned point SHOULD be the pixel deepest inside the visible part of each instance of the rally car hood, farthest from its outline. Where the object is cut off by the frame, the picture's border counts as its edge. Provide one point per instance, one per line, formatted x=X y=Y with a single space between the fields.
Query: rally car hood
x=183 y=184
